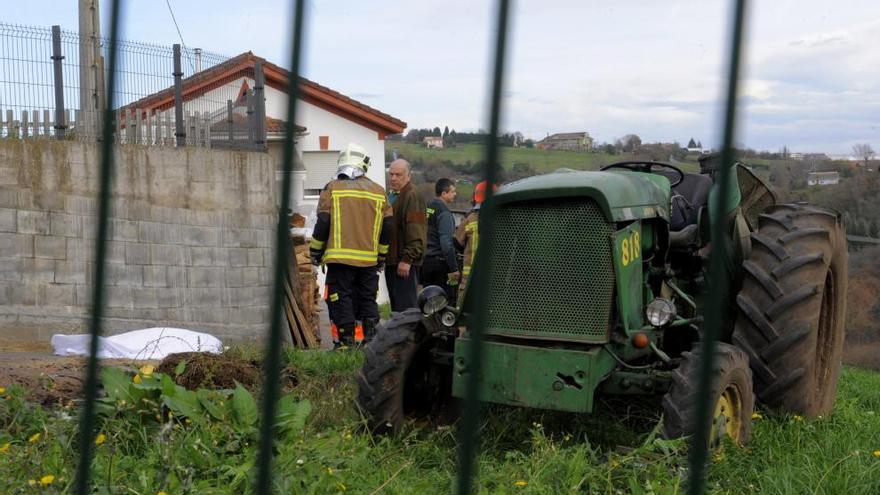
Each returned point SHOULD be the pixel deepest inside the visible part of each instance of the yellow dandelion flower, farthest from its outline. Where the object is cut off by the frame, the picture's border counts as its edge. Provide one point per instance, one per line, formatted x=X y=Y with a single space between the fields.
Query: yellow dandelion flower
x=33 y=438
x=101 y=438
x=47 y=480
x=520 y=483
x=137 y=378
x=147 y=369
x=161 y=493
x=2 y=390
x=757 y=415
x=329 y=470
x=5 y=447
x=798 y=417
x=876 y=452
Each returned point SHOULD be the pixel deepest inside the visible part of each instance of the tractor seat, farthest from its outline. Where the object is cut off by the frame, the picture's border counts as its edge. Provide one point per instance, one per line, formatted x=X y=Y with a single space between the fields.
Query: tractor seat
x=687 y=198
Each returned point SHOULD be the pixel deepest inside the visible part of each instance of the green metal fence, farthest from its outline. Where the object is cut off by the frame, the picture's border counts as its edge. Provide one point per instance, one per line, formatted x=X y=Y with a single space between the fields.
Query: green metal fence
x=468 y=433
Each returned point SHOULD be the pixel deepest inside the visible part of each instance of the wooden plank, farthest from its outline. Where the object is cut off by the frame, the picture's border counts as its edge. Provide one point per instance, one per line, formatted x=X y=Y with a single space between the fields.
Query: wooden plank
x=9 y=123
x=35 y=121
x=46 y=123
x=292 y=335
x=24 y=124
x=66 y=121
x=293 y=324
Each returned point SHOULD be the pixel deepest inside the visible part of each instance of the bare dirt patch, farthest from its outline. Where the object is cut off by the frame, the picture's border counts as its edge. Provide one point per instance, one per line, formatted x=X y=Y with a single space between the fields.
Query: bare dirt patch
x=47 y=379
x=204 y=370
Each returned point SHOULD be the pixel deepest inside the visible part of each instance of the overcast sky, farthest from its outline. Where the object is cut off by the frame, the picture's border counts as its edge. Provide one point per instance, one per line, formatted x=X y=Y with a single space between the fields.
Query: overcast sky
x=612 y=67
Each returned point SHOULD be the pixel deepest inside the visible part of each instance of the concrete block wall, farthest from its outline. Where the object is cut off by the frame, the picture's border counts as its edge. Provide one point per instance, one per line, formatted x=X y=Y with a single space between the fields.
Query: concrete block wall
x=190 y=245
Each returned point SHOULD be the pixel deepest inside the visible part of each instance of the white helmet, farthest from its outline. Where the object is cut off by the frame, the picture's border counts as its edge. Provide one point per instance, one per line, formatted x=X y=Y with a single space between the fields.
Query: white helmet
x=353 y=161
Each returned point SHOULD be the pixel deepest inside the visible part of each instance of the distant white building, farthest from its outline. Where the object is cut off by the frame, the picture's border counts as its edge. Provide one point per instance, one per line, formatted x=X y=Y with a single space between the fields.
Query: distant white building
x=433 y=141
x=796 y=156
x=822 y=178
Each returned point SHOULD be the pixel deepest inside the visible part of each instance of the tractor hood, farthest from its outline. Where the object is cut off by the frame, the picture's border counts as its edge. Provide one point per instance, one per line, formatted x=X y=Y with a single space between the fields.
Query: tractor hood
x=621 y=195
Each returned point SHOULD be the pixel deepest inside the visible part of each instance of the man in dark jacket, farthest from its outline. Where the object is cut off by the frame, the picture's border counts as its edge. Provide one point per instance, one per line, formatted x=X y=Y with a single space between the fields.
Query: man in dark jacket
x=408 y=238
x=441 y=266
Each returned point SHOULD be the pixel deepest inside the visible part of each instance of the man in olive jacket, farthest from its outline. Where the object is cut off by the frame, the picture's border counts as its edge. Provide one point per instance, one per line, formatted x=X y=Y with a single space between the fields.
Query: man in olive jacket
x=408 y=238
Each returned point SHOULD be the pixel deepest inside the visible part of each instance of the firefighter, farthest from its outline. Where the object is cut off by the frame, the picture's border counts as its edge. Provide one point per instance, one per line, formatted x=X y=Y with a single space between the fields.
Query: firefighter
x=467 y=237
x=351 y=238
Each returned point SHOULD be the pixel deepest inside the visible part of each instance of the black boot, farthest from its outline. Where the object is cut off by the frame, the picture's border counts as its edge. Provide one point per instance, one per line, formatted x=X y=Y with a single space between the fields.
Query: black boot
x=370 y=330
x=346 y=337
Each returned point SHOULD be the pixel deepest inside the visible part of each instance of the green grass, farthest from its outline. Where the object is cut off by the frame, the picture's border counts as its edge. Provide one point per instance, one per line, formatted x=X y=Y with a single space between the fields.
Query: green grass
x=541 y=160
x=615 y=450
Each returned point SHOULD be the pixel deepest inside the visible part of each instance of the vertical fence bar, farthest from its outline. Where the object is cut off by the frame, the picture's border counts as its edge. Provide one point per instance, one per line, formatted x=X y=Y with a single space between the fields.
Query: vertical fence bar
x=24 y=124
x=259 y=105
x=718 y=275
x=282 y=255
x=468 y=432
x=180 y=132
x=87 y=422
x=60 y=123
x=229 y=122
x=249 y=99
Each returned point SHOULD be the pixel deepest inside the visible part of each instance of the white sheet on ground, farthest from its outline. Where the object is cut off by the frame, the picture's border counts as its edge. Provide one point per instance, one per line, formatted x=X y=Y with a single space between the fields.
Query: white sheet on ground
x=149 y=343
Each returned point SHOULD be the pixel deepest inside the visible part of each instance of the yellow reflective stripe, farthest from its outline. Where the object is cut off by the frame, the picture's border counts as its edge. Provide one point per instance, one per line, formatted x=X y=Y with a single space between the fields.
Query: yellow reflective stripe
x=430 y=211
x=358 y=194
x=337 y=222
x=383 y=249
x=466 y=271
x=334 y=297
x=351 y=254
x=316 y=244
x=377 y=224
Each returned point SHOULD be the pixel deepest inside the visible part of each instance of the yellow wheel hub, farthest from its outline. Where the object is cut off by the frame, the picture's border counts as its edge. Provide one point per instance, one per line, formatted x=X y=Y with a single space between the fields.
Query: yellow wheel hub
x=726 y=420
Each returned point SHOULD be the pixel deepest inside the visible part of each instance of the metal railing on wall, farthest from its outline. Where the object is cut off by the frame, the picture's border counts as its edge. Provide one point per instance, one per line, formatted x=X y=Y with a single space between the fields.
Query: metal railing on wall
x=468 y=431
x=53 y=85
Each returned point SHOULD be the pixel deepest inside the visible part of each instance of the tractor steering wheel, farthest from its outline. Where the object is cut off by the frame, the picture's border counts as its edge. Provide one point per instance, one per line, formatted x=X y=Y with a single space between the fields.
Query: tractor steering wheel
x=648 y=168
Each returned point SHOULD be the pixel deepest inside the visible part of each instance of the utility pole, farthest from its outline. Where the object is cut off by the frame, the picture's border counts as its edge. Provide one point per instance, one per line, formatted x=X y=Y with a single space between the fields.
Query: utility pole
x=91 y=66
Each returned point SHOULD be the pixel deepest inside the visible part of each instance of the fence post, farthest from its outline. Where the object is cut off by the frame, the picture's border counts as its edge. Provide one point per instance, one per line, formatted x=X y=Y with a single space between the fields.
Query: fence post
x=178 y=98
x=60 y=123
x=197 y=127
x=251 y=125
x=259 y=105
x=229 y=121
x=46 y=123
x=149 y=129
x=168 y=140
x=24 y=124
x=9 y=118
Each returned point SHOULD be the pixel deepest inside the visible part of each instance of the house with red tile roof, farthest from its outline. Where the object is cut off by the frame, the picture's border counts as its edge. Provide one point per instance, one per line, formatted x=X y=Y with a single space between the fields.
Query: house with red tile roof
x=326 y=119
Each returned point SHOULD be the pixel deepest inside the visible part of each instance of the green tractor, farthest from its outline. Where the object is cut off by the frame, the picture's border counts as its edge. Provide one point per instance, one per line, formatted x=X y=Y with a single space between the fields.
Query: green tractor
x=596 y=287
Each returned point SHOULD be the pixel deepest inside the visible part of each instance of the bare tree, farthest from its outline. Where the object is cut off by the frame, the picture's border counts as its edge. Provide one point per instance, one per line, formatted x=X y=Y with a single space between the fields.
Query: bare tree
x=863 y=151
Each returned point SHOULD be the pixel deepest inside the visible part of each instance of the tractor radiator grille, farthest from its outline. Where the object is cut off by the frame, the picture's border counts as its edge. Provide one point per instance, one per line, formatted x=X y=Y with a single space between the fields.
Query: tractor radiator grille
x=552 y=275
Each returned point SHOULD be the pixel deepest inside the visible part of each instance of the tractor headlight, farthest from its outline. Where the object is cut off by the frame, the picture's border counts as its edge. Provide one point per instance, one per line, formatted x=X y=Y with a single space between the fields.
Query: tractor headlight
x=448 y=318
x=660 y=312
x=432 y=299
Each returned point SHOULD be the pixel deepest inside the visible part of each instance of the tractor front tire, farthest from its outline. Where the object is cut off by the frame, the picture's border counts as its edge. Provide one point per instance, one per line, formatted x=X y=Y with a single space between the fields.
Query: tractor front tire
x=398 y=378
x=730 y=391
x=792 y=307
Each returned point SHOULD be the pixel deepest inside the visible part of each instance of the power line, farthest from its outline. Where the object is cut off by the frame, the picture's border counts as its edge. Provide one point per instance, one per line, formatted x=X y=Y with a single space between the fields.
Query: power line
x=189 y=59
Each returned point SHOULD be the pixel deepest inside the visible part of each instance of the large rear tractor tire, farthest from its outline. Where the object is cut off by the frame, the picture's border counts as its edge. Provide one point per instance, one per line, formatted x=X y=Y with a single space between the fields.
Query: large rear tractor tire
x=731 y=392
x=792 y=307
x=399 y=378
